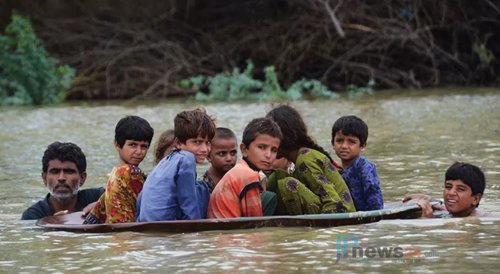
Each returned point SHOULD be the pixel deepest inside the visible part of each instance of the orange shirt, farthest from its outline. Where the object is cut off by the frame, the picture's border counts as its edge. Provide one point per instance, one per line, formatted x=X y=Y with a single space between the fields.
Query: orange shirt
x=237 y=194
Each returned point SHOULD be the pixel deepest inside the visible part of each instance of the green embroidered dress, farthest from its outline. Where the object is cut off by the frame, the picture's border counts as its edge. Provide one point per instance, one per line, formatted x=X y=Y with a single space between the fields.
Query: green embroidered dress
x=315 y=187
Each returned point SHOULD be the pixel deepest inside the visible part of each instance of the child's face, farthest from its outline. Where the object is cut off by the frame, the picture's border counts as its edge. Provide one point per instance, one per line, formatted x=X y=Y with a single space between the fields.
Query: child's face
x=262 y=151
x=199 y=146
x=458 y=198
x=132 y=152
x=347 y=147
x=223 y=154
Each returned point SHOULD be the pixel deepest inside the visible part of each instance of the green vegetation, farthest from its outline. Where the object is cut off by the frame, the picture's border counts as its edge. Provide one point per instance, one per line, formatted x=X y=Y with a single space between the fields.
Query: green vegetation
x=237 y=85
x=29 y=74
x=484 y=54
x=354 y=91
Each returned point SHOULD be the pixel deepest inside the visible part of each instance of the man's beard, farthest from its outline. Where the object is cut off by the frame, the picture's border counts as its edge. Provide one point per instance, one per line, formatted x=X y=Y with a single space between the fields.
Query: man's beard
x=64 y=197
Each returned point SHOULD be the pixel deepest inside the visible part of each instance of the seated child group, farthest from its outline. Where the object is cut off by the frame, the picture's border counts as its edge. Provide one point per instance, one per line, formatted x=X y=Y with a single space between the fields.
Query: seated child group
x=282 y=171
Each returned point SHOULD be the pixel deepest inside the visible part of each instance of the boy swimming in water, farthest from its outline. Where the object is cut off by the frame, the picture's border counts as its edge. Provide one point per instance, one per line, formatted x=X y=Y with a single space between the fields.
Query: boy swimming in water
x=463 y=189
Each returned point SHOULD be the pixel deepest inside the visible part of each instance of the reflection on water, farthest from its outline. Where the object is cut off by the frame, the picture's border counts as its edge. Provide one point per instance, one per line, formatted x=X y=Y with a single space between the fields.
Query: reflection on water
x=413 y=138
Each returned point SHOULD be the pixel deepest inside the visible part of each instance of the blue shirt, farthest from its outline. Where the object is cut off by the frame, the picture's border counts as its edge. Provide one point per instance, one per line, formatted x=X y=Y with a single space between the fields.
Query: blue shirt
x=203 y=194
x=170 y=191
x=362 y=179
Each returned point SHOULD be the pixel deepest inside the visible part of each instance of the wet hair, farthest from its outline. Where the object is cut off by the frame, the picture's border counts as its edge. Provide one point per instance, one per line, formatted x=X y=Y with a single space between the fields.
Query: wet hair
x=293 y=127
x=260 y=126
x=471 y=175
x=165 y=141
x=193 y=123
x=64 y=152
x=224 y=133
x=133 y=128
x=351 y=125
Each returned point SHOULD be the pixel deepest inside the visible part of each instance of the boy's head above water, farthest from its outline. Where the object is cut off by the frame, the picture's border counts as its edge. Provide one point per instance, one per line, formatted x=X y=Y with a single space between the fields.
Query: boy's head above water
x=463 y=188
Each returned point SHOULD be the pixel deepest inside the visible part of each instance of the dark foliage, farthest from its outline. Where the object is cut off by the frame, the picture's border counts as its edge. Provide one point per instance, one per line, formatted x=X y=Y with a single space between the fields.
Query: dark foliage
x=123 y=49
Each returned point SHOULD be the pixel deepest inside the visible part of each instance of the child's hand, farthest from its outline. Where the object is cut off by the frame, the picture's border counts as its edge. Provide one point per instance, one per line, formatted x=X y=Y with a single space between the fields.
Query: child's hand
x=429 y=207
x=437 y=206
x=263 y=180
x=426 y=208
x=87 y=209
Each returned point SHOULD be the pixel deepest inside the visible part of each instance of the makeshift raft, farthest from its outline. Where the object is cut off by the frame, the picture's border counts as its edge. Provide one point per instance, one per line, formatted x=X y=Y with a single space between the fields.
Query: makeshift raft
x=74 y=222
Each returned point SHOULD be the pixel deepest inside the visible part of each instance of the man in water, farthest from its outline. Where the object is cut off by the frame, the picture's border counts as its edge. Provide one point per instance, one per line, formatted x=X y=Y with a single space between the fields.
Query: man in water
x=63 y=173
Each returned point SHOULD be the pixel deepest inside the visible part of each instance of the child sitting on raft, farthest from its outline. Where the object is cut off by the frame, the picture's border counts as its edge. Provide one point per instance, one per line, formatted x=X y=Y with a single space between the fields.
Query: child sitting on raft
x=316 y=185
x=349 y=135
x=170 y=191
x=222 y=156
x=238 y=193
x=117 y=204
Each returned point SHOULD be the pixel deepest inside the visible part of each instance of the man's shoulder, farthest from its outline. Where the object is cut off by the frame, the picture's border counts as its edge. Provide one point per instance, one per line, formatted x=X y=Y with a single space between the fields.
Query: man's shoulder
x=88 y=196
x=91 y=192
x=38 y=210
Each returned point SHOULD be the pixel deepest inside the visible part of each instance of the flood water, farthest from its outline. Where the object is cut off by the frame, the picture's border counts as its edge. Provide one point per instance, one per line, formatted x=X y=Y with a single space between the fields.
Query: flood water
x=414 y=137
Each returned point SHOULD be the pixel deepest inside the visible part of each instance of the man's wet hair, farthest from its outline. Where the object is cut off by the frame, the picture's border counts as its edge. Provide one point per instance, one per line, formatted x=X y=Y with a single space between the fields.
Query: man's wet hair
x=64 y=152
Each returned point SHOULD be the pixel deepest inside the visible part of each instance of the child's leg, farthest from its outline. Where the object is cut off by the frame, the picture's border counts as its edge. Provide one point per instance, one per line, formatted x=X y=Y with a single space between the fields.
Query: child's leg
x=293 y=197
x=296 y=198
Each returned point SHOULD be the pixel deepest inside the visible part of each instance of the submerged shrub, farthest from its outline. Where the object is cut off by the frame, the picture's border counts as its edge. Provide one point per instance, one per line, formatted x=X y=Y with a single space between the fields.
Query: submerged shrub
x=354 y=91
x=28 y=74
x=227 y=86
x=236 y=85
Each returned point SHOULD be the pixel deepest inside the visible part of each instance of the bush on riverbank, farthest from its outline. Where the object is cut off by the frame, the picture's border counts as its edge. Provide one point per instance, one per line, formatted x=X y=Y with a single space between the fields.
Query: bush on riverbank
x=28 y=74
x=236 y=85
